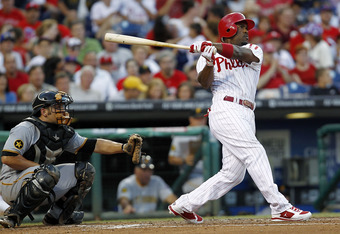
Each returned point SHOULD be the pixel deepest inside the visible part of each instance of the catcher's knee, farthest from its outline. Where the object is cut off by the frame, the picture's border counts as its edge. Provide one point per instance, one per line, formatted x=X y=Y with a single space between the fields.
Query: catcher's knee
x=84 y=173
x=47 y=177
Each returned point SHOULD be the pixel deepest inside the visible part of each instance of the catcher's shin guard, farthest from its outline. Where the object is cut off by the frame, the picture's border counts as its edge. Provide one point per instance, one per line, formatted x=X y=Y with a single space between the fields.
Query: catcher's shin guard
x=63 y=211
x=35 y=190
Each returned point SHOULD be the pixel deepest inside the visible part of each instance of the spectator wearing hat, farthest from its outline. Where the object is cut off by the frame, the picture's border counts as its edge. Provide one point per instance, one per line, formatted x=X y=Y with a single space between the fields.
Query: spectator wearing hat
x=119 y=57
x=14 y=76
x=7 y=41
x=281 y=54
x=106 y=63
x=31 y=22
x=71 y=66
x=171 y=77
x=73 y=45
x=102 y=82
x=272 y=75
x=141 y=192
x=87 y=44
x=183 y=150
x=304 y=70
x=83 y=92
x=319 y=51
x=133 y=89
x=9 y=14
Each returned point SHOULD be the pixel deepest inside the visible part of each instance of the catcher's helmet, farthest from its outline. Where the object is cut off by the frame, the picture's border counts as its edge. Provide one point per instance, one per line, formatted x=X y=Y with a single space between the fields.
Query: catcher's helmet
x=50 y=98
x=227 y=25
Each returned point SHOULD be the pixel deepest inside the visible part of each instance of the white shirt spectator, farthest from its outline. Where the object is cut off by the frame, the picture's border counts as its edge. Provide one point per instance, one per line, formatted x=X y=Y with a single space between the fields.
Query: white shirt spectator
x=135 y=13
x=321 y=54
x=100 y=11
x=103 y=83
x=80 y=95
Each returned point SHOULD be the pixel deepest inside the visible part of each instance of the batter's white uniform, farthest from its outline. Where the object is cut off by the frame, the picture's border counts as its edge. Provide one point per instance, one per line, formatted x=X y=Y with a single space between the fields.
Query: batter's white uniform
x=234 y=126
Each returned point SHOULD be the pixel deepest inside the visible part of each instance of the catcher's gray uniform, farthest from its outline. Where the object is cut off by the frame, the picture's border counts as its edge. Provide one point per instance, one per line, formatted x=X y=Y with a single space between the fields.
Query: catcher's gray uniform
x=22 y=137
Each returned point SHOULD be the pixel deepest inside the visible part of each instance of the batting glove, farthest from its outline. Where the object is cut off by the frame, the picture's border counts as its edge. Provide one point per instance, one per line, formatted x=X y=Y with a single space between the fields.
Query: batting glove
x=199 y=46
x=208 y=54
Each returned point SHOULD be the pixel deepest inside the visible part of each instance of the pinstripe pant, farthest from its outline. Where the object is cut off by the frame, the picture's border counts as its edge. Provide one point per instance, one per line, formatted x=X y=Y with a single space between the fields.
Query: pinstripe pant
x=234 y=126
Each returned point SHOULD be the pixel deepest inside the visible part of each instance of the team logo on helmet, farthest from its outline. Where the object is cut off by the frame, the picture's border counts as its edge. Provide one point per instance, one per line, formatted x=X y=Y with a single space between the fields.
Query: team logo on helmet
x=19 y=144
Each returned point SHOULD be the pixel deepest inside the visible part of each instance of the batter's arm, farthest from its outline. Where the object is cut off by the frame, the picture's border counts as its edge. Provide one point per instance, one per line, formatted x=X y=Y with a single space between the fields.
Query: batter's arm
x=18 y=162
x=239 y=52
x=206 y=77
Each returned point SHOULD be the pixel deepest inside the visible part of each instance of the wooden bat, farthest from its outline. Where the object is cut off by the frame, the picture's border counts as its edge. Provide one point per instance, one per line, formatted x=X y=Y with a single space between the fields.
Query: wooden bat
x=130 y=40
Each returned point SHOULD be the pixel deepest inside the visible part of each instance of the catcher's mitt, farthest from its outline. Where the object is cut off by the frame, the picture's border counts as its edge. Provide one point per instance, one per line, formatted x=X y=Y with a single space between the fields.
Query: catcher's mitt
x=134 y=147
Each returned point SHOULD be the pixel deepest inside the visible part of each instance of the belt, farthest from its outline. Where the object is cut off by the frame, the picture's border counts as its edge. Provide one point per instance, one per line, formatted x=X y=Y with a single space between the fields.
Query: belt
x=245 y=103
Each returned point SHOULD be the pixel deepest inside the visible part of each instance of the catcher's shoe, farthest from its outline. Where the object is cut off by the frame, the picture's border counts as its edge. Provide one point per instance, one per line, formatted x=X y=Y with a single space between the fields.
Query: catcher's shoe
x=292 y=214
x=7 y=222
x=189 y=217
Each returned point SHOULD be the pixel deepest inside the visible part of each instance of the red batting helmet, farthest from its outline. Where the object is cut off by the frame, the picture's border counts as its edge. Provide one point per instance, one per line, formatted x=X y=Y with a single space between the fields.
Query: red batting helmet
x=227 y=25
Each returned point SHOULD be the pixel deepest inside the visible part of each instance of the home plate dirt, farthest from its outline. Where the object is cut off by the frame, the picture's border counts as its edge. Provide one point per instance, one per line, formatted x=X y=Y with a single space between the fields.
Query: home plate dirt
x=179 y=226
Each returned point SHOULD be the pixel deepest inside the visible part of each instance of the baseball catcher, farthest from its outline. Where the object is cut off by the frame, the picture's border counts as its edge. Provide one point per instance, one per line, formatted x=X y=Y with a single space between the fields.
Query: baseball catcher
x=32 y=175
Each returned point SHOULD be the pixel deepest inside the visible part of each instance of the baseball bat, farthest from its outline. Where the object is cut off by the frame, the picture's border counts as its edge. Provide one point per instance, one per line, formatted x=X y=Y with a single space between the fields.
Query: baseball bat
x=130 y=40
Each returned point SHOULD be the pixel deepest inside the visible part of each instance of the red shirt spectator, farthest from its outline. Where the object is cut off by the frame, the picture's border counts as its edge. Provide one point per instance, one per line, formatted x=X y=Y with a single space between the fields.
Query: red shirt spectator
x=275 y=81
x=174 y=81
x=14 y=76
x=9 y=14
x=306 y=76
x=31 y=21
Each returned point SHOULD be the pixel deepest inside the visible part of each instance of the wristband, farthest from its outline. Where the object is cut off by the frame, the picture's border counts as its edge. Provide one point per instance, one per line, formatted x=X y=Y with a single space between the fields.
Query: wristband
x=227 y=50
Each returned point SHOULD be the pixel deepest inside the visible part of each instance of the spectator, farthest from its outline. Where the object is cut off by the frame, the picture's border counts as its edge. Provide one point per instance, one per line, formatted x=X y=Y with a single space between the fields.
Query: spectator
x=304 y=71
x=102 y=82
x=31 y=22
x=171 y=77
x=87 y=44
x=145 y=74
x=133 y=89
x=10 y=14
x=71 y=66
x=62 y=82
x=72 y=47
x=74 y=10
x=272 y=75
x=26 y=93
x=281 y=54
x=104 y=15
x=119 y=57
x=132 y=69
x=7 y=41
x=14 y=76
x=185 y=91
x=51 y=67
x=83 y=91
x=210 y=31
x=184 y=57
x=319 y=51
x=200 y=92
x=37 y=79
x=139 y=193
x=324 y=86
x=156 y=90
x=183 y=150
x=141 y=55
x=138 y=16
x=19 y=45
x=6 y=96
x=106 y=63
x=42 y=50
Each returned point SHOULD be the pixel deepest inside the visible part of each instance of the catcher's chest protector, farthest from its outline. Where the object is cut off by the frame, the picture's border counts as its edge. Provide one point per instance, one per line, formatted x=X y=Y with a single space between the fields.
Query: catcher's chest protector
x=51 y=143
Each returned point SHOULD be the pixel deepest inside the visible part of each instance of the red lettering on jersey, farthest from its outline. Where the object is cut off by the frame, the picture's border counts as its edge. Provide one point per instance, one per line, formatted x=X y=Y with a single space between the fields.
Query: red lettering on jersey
x=229 y=64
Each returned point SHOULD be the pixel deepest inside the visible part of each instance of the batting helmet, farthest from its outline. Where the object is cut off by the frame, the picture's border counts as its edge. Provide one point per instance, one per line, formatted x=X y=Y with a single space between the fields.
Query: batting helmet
x=227 y=25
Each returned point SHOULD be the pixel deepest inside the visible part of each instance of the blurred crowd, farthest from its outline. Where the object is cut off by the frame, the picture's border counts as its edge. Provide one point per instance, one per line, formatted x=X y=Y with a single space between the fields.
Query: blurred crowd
x=59 y=45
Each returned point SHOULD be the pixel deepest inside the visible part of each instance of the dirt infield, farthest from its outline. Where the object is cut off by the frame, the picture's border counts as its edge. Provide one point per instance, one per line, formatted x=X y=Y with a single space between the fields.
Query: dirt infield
x=179 y=226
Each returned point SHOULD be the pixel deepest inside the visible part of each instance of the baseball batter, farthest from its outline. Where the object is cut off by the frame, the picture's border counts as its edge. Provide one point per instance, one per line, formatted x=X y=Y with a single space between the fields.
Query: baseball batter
x=233 y=74
x=31 y=176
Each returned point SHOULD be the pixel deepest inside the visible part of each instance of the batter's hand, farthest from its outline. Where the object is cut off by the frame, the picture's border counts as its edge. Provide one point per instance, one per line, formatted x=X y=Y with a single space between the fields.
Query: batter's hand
x=199 y=46
x=208 y=54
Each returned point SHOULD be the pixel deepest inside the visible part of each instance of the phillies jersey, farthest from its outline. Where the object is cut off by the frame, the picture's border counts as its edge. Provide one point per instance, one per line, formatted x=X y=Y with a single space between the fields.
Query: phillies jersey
x=233 y=77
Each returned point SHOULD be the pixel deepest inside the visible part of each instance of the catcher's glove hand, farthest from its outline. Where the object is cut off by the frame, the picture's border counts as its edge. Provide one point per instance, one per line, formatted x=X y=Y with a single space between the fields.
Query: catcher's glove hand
x=134 y=147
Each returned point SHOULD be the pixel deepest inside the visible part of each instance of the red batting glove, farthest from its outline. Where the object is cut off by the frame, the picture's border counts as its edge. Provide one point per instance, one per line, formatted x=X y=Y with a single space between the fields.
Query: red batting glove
x=199 y=46
x=208 y=54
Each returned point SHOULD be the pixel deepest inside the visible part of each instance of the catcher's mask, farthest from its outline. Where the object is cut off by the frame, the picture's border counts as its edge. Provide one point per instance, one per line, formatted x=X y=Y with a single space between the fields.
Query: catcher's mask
x=59 y=101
